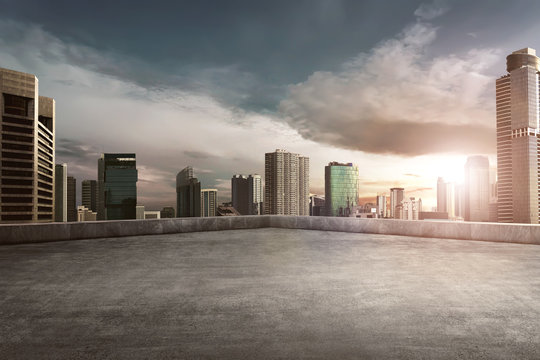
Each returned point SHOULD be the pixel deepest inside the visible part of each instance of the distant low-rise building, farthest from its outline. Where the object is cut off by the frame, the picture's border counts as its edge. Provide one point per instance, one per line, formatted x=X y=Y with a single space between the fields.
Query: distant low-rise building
x=167 y=212
x=152 y=215
x=85 y=214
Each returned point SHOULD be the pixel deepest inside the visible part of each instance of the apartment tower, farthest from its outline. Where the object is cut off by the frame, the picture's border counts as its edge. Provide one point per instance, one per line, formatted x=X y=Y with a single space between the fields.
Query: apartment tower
x=286 y=183
x=27 y=150
x=89 y=194
x=209 y=201
x=517 y=98
x=396 y=197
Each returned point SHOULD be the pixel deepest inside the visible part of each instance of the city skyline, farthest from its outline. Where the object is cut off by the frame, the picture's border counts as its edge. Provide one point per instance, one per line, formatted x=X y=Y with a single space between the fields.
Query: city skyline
x=101 y=91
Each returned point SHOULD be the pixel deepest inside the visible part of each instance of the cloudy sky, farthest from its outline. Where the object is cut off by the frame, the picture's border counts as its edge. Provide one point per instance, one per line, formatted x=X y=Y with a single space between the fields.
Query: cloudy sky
x=404 y=89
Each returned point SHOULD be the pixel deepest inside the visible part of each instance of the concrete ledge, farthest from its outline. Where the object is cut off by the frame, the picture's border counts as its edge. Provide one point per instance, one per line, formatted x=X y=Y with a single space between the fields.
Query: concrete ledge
x=35 y=233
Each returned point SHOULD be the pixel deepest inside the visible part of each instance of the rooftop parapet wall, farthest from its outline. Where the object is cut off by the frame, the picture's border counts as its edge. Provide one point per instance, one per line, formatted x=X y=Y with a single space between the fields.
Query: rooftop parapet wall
x=45 y=232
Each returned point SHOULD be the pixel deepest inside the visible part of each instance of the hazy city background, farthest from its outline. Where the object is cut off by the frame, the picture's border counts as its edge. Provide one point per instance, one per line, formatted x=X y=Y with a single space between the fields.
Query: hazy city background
x=403 y=90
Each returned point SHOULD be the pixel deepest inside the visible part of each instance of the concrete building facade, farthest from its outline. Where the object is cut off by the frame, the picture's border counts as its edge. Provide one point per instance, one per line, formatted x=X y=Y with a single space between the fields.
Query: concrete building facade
x=396 y=197
x=209 y=202
x=517 y=105
x=89 y=194
x=286 y=179
x=27 y=150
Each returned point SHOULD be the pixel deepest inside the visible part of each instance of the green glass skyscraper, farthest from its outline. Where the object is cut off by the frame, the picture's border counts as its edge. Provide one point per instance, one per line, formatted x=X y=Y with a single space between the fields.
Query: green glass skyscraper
x=340 y=188
x=117 y=186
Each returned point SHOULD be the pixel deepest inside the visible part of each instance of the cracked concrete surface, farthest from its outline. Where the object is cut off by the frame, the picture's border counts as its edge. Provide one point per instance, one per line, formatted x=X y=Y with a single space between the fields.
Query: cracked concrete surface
x=270 y=293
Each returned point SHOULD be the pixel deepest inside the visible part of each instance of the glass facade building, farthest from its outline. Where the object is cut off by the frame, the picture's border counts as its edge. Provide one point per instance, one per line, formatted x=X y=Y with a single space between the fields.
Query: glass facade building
x=117 y=186
x=340 y=188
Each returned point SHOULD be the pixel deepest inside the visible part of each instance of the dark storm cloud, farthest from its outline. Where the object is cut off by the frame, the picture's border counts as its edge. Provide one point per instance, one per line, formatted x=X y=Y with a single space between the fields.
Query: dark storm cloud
x=197 y=154
x=242 y=52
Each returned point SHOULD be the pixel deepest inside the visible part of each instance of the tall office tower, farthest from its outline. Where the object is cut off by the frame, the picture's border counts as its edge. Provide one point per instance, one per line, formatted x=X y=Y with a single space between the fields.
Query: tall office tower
x=303 y=185
x=240 y=194
x=441 y=195
x=381 y=205
x=459 y=200
x=89 y=194
x=477 y=189
x=71 y=199
x=188 y=194
x=60 y=193
x=255 y=194
x=286 y=178
x=27 y=143
x=518 y=132
x=450 y=200
x=340 y=188
x=117 y=186
x=208 y=202
x=396 y=197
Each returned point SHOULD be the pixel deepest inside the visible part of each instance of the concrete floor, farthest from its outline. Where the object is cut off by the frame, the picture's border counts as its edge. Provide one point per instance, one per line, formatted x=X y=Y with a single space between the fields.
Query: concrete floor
x=270 y=293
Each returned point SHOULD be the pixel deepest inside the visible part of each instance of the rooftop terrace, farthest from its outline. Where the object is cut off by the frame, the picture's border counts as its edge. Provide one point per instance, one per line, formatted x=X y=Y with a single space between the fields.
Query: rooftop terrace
x=270 y=293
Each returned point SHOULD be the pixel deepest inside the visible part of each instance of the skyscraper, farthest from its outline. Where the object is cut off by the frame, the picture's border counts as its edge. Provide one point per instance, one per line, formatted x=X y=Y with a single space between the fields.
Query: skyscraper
x=60 y=193
x=518 y=130
x=89 y=194
x=246 y=194
x=255 y=194
x=441 y=195
x=340 y=188
x=208 y=202
x=188 y=194
x=240 y=194
x=117 y=186
x=396 y=197
x=71 y=199
x=477 y=188
x=286 y=179
x=27 y=157
x=381 y=206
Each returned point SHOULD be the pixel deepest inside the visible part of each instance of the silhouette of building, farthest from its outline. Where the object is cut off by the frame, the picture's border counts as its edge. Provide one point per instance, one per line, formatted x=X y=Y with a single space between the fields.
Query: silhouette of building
x=117 y=186
x=240 y=194
x=60 y=193
x=477 y=189
x=518 y=130
x=71 y=199
x=89 y=194
x=208 y=202
x=316 y=205
x=188 y=194
x=441 y=195
x=286 y=179
x=27 y=130
x=396 y=197
x=167 y=212
x=340 y=188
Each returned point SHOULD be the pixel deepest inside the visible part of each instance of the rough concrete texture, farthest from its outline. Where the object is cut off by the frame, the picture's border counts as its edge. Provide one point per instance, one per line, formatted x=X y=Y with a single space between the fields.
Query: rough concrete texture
x=35 y=233
x=270 y=293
